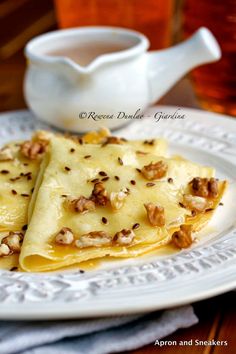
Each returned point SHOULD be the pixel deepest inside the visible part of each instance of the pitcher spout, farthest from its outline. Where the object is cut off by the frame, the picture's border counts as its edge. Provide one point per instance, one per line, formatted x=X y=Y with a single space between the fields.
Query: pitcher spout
x=167 y=66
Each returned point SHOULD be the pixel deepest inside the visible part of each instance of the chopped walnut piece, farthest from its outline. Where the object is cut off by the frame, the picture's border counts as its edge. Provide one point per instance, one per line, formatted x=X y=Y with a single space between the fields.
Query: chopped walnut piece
x=4 y=250
x=154 y=170
x=43 y=136
x=124 y=237
x=94 y=239
x=155 y=214
x=112 y=140
x=65 y=236
x=33 y=149
x=13 y=241
x=183 y=237
x=6 y=154
x=205 y=187
x=99 y=194
x=149 y=142
x=80 y=205
x=213 y=187
x=195 y=203
x=117 y=199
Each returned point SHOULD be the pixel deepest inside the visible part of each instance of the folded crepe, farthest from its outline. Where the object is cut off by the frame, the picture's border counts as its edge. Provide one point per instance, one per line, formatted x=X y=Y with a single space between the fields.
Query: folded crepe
x=92 y=201
x=17 y=179
x=18 y=172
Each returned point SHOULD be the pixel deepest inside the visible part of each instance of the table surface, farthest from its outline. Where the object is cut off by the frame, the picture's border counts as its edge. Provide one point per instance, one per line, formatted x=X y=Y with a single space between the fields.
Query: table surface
x=23 y=19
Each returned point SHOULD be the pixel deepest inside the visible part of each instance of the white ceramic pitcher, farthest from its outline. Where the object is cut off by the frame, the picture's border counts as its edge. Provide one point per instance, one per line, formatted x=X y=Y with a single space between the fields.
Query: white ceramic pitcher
x=64 y=93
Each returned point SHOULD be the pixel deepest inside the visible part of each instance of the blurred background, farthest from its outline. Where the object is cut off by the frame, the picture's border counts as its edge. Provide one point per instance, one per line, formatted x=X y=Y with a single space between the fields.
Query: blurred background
x=164 y=22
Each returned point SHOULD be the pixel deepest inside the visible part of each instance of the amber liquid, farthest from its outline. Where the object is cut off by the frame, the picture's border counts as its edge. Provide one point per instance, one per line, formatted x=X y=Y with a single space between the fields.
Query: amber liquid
x=151 y=17
x=215 y=84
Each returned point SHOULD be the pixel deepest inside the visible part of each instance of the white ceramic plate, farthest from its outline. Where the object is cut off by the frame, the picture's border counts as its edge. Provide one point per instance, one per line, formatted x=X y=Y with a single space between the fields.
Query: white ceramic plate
x=151 y=282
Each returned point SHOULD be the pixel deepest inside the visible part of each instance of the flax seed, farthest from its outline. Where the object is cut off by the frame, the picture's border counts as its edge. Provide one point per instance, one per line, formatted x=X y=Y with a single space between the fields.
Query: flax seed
x=104 y=220
x=120 y=161
x=136 y=226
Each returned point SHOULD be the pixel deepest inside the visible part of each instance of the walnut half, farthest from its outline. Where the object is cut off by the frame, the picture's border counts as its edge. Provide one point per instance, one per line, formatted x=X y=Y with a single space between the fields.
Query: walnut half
x=183 y=237
x=155 y=214
x=33 y=149
x=154 y=170
x=65 y=236
x=117 y=199
x=205 y=187
x=13 y=241
x=124 y=237
x=80 y=205
x=99 y=194
x=112 y=140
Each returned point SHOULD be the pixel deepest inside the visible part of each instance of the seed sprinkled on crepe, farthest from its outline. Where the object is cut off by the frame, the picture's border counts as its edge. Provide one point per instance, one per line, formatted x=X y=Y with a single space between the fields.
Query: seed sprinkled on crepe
x=120 y=161
x=209 y=209
x=13 y=269
x=150 y=184
x=149 y=142
x=13 y=179
x=95 y=180
x=24 y=227
x=4 y=172
x=139 y=152
x=104 y=179
x=136 y=226
x=104 y=220
x=102 y=173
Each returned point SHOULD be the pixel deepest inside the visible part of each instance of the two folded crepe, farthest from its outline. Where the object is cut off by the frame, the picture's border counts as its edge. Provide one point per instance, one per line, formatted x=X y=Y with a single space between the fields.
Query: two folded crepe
x=46 y=187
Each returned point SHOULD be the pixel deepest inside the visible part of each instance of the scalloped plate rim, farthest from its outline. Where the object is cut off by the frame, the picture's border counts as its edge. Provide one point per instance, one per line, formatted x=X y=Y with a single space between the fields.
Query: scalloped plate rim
x=23 y=309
